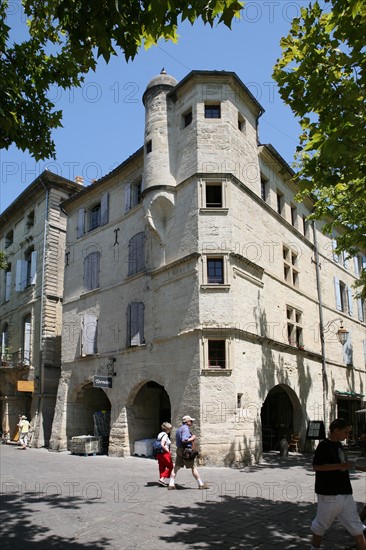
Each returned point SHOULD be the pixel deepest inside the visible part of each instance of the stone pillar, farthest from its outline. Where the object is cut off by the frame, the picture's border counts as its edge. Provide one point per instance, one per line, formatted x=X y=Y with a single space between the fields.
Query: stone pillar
x=58 y=441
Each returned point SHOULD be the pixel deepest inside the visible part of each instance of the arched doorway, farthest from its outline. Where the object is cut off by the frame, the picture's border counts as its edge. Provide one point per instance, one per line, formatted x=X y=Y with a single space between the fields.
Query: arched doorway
x=280 y=416
x=150 y=407
x=89 y=414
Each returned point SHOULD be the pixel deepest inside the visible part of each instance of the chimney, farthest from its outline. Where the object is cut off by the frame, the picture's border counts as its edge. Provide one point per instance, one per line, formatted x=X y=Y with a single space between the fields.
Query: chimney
x=79 y=180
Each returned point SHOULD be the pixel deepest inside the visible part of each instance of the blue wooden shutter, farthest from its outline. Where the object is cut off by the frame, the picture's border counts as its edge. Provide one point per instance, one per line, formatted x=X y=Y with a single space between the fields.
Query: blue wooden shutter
x=33 y=268
x=348 y=350
x=104 y=209
x=91 y=271
x=140 y=256
x=27 y=341
x=350 y=301
x=360 y=307
x=337 y=290
x=135 y=324
x=334 y=246
x=127 y=197
x=80 y=229
x=136 y=253
x=21 y=275
x=7 y=285
x=89 y=334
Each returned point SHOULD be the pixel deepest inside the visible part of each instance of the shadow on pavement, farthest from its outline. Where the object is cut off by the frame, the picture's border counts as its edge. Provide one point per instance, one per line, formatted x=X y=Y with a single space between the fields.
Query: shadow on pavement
x=240 y=523
x=19 y=530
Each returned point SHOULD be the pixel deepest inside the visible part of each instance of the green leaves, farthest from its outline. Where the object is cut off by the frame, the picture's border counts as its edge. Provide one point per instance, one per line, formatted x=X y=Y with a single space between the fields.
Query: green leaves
x=66 y=38
x=322 y=77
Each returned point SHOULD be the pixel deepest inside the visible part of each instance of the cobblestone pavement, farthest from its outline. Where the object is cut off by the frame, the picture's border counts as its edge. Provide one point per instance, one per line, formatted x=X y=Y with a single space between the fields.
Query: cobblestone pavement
x=62 y=501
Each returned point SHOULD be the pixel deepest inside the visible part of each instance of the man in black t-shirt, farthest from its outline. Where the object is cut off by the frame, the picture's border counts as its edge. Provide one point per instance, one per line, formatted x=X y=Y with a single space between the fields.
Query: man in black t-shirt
x=333 y=487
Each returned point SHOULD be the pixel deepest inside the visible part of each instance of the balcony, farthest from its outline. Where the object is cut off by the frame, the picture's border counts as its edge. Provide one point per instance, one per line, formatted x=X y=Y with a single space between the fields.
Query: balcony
x=20 y=358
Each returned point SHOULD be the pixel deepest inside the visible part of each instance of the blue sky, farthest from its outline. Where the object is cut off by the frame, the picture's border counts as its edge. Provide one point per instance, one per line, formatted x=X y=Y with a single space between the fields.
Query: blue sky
x=103 y=121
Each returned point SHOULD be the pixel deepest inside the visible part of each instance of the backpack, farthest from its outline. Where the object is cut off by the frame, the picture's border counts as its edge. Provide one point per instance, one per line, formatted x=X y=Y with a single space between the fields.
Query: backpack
x=157 y=448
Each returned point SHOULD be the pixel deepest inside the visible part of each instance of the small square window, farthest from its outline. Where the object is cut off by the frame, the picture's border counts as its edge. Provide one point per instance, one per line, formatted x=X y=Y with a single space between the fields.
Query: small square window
x=213 y=195
x=215 y=271
x=293 y=215
x=94 y=217
x=148 y=147
x=241 y=123
x=216 y=354
x=9 y=238
x=187 y=119
x=280 y=202
x=264 y=189
x=213 y=111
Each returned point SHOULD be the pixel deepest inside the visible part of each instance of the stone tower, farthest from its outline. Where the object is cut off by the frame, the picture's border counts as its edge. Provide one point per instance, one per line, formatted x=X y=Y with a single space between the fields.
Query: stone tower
x=158 y=174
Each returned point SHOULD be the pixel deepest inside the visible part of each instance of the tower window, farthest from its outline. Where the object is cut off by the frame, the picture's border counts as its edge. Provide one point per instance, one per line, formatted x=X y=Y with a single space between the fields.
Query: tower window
x=213 y=111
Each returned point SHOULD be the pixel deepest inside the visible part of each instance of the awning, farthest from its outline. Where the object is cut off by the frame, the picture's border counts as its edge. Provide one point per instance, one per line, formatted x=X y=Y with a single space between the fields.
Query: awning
x=350 y=394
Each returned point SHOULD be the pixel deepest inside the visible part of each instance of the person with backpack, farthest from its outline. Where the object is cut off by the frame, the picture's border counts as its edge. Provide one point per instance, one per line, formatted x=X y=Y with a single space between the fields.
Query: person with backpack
x=164 y=457
x=186 y=454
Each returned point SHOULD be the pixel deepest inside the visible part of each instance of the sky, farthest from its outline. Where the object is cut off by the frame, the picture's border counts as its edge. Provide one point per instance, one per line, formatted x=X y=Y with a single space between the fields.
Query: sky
x=103 y=121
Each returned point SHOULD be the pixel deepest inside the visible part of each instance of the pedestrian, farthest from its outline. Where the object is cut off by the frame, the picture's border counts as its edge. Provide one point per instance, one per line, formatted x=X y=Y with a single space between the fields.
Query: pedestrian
x=165 y=461
x=18 y=430
x=333 y=487
x=186 y=440
x=24 y=429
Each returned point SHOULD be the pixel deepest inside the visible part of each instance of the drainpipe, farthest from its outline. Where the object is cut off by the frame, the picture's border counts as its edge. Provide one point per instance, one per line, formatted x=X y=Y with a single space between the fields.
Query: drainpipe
x=41 y=370
x=321 y=328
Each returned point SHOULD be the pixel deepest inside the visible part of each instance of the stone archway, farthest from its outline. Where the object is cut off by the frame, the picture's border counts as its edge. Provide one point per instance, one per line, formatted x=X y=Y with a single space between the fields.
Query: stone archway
x=281 y=416
x=88 y=413
x=148 y=407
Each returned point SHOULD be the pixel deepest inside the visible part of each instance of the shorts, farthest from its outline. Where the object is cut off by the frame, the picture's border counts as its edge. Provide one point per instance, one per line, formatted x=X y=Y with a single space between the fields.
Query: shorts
x=341 y=507
x=183 y=462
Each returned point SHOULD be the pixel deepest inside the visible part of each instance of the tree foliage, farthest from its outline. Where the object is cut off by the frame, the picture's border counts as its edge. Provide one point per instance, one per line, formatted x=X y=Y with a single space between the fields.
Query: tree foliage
x=3 y=262
x=322 y=77
x=66 y=37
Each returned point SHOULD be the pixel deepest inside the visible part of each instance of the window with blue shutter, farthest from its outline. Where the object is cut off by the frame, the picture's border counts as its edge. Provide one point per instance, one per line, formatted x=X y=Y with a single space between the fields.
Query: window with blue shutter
x=127 y=197
x=350 y=301
x=135 y=324
x=361 y=309
x=338 y=295
x=348 y=350
x=104 y=209
x=27 y=331
x=80 y=229
x=8 y=283
x=89 y=332
x=91 y=271
x=136 y=253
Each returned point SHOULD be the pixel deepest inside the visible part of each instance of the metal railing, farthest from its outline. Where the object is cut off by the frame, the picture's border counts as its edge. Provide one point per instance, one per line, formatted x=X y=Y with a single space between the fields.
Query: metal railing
x=20 y=358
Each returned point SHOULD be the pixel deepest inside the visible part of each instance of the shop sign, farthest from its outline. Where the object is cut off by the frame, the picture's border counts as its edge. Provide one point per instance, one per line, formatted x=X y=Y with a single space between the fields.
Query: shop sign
x=102 y=381
x=25 y=385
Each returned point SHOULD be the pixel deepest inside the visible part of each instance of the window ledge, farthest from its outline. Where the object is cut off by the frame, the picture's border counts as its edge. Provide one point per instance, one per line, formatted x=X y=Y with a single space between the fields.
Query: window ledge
x=218 y=210
x=90 y=291
x=215 y=287
x=216 y=372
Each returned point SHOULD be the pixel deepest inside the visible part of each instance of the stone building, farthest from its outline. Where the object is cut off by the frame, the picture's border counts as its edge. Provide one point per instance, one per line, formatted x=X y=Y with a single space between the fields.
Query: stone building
x=195 y=285
x=32 y=235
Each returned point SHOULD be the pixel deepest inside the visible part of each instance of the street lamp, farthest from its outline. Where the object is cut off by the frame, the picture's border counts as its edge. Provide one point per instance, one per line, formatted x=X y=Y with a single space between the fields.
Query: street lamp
x=342 y=333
